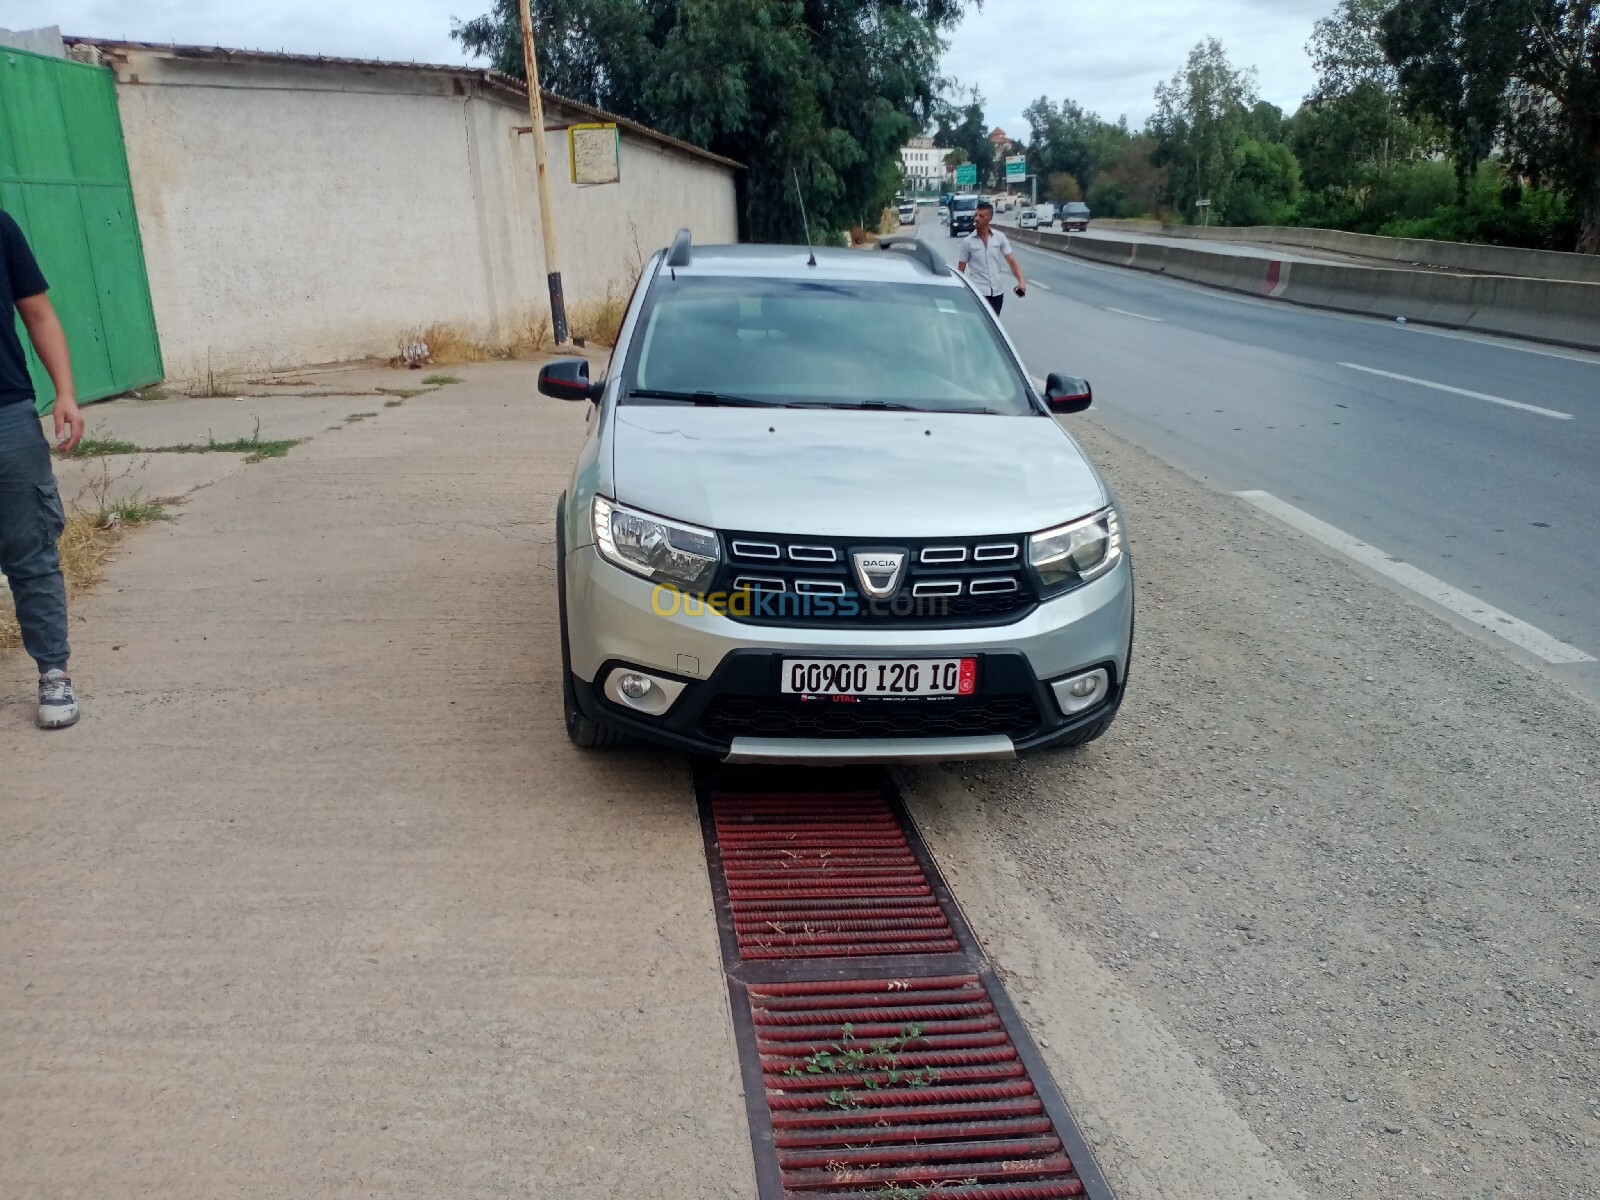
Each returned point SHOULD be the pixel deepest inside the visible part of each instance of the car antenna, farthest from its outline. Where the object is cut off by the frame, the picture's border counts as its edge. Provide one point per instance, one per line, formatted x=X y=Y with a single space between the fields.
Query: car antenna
x=812 y=261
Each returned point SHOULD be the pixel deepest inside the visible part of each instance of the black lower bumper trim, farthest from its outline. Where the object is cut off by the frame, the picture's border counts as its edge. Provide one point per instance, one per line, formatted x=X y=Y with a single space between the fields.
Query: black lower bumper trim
x=750 y=678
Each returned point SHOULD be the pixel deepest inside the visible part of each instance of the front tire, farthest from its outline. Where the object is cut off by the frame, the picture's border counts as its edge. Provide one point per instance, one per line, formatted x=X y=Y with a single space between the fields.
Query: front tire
x=581 y=730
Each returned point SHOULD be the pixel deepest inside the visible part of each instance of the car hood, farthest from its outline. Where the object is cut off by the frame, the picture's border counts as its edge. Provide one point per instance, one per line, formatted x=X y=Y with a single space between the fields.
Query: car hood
x=850 y=473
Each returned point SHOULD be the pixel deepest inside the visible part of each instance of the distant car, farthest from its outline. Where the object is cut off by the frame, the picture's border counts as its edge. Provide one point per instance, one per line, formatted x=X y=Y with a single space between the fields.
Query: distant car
x=908 y=214
x=944 y=213
x=1047 y=215
x=1075 y=216
x=1029 y=219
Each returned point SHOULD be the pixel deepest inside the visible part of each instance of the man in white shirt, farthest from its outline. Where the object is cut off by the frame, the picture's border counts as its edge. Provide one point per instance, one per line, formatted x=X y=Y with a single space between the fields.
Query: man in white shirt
x=985 y=254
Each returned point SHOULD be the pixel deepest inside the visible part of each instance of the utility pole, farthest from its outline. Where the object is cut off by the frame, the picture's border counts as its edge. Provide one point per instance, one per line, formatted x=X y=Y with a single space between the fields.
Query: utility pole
x=547 y=222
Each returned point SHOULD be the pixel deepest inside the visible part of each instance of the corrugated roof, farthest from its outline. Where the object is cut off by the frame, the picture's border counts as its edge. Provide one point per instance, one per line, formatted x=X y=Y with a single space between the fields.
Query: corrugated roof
x=491 y=78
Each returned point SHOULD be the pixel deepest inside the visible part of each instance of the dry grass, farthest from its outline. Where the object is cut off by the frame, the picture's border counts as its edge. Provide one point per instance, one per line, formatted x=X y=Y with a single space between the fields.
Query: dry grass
x=600 y=321
x=449 y=345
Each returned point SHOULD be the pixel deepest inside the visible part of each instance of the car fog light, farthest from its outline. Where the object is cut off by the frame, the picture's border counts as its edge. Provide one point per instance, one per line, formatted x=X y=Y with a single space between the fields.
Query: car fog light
x=652 y=695
x=1080 y=693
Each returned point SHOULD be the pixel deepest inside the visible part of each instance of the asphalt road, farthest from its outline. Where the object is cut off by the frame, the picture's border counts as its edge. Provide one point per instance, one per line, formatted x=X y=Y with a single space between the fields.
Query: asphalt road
x=1492 y=487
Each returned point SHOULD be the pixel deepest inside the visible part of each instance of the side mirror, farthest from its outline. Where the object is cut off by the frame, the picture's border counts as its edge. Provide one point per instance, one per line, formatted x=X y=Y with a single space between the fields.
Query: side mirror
x=1067 y=393
x=568 y=379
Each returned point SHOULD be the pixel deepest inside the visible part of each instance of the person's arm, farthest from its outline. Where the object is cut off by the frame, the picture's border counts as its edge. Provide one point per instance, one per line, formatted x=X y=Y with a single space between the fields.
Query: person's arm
x=1016 y=269
x=50 y=343
x=961 y=257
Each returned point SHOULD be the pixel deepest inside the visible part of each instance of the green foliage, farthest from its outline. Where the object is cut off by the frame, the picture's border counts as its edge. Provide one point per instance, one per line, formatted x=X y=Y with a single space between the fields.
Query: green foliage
x=1203 y=119
x=1518 y=76
x=960 y=126
x=1265 y=189
x=820 y=91
x=1068 y=139
x=1063 y=188
x=1493 y=212
x=1132 y=186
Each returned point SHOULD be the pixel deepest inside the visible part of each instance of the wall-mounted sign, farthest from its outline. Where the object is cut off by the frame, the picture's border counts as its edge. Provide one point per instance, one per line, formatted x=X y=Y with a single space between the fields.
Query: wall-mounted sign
x=596 y=152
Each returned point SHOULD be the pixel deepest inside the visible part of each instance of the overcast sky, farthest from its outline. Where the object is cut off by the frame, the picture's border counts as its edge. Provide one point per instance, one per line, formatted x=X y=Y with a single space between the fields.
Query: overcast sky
x=1106 y=54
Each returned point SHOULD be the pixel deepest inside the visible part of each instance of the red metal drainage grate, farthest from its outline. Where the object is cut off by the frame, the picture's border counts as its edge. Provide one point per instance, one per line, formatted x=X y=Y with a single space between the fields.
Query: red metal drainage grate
x=824 y=876
x=890 y=1087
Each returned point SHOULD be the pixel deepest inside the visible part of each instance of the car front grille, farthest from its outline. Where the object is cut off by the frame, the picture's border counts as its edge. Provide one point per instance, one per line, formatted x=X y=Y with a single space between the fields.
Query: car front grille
x=729 y=717
x=810 y=582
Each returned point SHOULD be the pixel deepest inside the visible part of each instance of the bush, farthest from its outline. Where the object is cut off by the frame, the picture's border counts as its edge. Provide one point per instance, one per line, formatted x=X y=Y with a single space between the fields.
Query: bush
x=1265 y=188
x=1497 y=213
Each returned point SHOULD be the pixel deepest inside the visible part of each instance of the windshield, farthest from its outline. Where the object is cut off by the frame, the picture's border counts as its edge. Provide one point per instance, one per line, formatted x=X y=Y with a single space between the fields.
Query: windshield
x=966 y=203
x=822 y=343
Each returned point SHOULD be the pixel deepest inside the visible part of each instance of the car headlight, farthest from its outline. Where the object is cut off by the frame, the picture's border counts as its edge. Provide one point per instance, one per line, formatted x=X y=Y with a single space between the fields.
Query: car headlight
x=1077 y=552
x=665 y=551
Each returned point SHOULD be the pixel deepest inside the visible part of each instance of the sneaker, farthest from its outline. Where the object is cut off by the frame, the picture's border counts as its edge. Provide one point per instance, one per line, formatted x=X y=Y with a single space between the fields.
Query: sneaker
x=58 y=707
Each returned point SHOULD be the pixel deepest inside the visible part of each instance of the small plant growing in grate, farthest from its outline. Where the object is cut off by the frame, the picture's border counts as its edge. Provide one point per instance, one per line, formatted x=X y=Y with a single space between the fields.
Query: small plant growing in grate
x=925 y=1191
x=844 y=1058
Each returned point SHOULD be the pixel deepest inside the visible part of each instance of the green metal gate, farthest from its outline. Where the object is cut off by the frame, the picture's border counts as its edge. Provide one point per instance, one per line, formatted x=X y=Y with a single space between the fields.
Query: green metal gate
x=64 y=177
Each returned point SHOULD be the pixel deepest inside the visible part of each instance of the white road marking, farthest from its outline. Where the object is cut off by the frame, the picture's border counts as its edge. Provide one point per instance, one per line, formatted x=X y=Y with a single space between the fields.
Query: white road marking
x=1464 y=604
x=1044 y=287
x=1445 y=387
x=1122 y=312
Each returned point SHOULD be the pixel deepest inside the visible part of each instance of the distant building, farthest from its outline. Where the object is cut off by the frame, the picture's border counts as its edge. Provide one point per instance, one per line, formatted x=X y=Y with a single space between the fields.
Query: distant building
x=923 y=163
x=1002 y=144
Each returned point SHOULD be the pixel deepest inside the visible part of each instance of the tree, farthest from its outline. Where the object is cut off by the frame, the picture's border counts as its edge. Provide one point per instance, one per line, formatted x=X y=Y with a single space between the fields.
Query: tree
x=823 y=92
x=960 y=125
x=1068 y=138
x=1347 y=50
x=1266 y=186
x=1200 y=123
x=1521 y=76
x=1133 y=185
x=1063 y=188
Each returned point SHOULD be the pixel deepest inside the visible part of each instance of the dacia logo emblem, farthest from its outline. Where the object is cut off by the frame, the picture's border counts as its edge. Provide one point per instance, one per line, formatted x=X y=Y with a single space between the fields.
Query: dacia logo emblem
x=879 y=572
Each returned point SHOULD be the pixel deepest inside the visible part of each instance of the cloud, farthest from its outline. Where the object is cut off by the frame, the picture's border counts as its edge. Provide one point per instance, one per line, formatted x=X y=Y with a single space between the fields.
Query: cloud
x=1108 y=55
x=402 y=30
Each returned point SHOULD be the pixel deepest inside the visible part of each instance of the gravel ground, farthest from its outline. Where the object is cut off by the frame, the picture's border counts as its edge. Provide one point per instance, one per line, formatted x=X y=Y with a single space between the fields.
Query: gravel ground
x=1346 y=853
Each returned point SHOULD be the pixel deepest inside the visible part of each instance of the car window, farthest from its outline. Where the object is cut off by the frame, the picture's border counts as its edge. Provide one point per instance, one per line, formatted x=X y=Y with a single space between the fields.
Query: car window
x=824 y=342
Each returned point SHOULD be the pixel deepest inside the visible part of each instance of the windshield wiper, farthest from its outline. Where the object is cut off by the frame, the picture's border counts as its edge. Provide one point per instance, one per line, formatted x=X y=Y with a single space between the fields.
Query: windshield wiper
x=893 y=406
x=722 y=399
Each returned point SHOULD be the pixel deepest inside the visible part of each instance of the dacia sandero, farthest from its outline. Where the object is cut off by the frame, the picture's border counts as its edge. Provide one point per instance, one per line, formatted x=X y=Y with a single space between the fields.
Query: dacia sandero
x=822 y=514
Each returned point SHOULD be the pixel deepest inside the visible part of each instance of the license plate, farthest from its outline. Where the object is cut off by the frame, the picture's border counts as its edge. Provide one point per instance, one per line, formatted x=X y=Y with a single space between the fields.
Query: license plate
x=903 y=677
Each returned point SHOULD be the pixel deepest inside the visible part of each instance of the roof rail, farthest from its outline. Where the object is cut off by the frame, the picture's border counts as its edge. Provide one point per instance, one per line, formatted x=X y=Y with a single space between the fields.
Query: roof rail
x=929 y=256
x=678 y=256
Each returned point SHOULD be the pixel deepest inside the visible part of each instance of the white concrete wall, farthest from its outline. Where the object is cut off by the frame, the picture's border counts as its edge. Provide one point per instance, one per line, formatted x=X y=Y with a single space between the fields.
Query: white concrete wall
x=297 y=213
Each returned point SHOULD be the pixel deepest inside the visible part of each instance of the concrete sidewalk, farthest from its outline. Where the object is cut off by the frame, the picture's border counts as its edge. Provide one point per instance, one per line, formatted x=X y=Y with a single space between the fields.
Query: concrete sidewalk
x=318 y=901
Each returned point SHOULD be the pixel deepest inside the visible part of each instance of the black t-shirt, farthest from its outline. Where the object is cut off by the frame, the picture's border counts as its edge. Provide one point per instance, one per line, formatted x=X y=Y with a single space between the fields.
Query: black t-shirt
x=20 y=278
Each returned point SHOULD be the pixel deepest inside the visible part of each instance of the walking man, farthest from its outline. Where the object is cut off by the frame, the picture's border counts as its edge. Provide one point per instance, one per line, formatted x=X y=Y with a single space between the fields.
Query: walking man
x=985 y=255
x=31 y=517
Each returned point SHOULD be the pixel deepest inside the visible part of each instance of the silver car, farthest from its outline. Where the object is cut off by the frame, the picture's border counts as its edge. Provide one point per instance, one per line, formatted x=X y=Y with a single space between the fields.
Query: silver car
x=823 y=514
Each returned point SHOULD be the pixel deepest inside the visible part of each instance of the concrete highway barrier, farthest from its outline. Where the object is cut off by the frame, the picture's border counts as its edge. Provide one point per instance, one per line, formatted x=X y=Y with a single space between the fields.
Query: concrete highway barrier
x=1547 y=310
x=1450 y=256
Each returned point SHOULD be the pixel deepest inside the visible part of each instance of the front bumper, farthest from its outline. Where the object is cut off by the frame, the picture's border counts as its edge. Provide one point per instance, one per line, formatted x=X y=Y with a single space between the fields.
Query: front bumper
x=613 y=622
